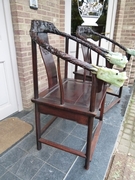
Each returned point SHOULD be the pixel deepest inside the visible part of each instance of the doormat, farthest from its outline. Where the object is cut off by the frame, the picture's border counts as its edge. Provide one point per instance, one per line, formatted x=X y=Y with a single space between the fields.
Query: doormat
x=11 y=131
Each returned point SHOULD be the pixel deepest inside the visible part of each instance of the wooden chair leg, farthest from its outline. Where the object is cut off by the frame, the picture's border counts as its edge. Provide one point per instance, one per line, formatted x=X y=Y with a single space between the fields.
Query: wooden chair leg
x=102 y=108
x=89 y=141
x=38 y=128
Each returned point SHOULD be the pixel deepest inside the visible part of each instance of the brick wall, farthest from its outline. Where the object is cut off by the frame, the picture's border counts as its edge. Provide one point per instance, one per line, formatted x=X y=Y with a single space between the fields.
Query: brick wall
x=125 y=32
x=21 y=17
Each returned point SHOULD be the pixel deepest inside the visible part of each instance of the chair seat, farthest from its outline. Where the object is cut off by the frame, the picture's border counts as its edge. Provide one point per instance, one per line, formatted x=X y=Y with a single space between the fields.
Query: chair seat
x=77 y=101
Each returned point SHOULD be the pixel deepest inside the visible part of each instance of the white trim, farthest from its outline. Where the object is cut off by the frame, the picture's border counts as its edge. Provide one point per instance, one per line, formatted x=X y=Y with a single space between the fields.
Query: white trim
x=111 y=15
x=68 y=30
x=7 y=12
x=68 y=16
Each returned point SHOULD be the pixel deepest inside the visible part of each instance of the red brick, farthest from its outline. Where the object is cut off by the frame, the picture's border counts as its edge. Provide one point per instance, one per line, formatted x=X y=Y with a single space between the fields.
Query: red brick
x=19 y=32
x=19 y=7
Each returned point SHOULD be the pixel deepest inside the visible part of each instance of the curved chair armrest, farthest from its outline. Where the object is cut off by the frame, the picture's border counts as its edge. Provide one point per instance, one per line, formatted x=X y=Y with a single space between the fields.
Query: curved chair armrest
x=39 y=27
x=127 y=50
x=36 y=36
x=113 y=57
x=48 y=27
x=61 y=54
x=83 y=31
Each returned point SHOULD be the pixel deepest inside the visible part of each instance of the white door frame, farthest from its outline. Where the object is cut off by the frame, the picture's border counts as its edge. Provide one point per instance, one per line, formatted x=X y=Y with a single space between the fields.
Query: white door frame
x=112 y=8
x=68 y=16
x=7 y=11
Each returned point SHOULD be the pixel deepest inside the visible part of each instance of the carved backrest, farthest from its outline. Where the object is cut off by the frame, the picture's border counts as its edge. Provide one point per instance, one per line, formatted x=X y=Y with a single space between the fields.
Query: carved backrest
x=48 y=62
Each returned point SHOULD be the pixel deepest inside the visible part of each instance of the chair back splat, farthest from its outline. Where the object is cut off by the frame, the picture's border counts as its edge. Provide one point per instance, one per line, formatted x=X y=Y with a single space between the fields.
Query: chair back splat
x=48 y=62
x=66 y=98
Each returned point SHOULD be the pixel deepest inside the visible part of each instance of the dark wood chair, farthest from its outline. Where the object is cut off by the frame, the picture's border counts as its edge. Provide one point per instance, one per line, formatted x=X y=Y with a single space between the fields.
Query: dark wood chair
x=85 y=33
x=66 y=98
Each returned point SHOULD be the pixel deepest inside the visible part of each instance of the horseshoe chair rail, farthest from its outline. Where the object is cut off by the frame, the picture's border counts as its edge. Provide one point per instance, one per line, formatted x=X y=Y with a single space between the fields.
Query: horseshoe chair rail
x=87 y=34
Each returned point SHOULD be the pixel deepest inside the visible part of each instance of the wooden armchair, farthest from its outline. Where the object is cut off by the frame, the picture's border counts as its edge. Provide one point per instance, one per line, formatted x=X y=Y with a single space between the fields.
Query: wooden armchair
x=76 y=100
x=87 y=34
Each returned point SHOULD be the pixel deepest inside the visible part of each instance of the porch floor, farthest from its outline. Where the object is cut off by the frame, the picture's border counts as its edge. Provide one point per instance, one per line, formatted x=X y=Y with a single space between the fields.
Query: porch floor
x=24 y=162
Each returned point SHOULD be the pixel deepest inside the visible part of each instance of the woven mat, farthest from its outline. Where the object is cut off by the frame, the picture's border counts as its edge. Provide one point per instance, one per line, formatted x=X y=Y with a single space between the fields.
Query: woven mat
x=11 y=131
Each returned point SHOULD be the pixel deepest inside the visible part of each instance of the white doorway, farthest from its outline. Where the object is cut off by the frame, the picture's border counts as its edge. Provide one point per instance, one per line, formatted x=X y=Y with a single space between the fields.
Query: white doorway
x=10 y=96
x=110 y=22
